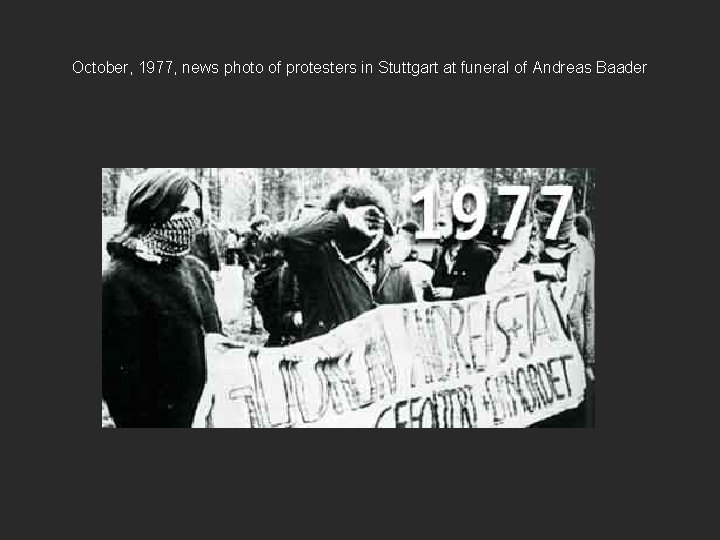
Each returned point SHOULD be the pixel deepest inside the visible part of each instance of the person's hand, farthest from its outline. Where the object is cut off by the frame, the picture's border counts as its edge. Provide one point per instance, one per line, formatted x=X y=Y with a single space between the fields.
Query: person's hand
x=366 y=219
x=442 y=293
x=218 y=343
x=297 y=319
x=520 y=243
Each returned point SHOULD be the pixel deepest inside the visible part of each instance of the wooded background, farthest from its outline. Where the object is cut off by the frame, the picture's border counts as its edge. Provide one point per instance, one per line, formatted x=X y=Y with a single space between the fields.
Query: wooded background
x=234 y=195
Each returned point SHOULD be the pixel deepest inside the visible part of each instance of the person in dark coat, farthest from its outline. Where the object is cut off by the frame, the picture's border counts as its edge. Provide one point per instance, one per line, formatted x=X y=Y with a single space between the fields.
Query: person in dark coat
x=461 y=268
x=338 y=256
x=206 y=246
x=276 y=296
x=250 y=258
x=157 y=308
x=250 y=247
x=277 y=290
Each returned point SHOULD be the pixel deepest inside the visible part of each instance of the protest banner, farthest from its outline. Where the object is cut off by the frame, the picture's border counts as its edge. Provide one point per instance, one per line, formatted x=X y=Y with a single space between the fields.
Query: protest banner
x=500 y=360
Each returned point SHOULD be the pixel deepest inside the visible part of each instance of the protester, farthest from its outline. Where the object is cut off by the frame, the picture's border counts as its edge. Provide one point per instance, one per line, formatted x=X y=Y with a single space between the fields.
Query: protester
x=277 y=289
x=390 y=282
x=232 y=243
x=584 y=228
x=567 y=261
x=404 y=250
x=206 y=246
x=276 y=296
x=157 y=308
x=437 y=250
x=408 y=233
x=250 y=259
x=461 y=267
x=488 y=238
x=250 y=242
x=339 y=257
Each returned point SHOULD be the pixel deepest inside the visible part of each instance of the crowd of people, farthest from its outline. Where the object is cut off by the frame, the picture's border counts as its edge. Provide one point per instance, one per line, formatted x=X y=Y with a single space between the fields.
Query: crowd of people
x=324 y=266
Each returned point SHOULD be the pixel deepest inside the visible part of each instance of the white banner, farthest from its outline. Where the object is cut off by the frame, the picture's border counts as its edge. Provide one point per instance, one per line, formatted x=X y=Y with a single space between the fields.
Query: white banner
x=499 y=360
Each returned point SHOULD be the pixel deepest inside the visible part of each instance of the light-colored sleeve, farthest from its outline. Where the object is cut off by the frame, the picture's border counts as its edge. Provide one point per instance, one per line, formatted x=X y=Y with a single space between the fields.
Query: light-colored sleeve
x=589 y=312
x=504 y=273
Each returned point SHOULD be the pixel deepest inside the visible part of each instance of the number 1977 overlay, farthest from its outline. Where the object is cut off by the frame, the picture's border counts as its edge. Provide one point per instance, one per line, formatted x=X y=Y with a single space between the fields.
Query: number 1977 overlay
x=478 y=216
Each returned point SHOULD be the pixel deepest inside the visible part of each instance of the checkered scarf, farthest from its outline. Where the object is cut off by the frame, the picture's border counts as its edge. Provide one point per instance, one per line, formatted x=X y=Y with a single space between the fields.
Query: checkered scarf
x=172 y=238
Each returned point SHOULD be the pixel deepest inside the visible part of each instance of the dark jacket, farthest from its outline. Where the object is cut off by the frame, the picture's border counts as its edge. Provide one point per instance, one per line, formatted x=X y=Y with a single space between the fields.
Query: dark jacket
x=206 y=247
x=468 y=275
x=332 y=291
x=394 y=286
x=249 y=249
x=277 y=297
x=154 y=321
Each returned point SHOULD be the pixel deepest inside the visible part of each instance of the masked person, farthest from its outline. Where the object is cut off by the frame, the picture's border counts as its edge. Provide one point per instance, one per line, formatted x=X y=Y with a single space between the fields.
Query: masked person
x=568 y=262
x=339 y=257
x=157 y=308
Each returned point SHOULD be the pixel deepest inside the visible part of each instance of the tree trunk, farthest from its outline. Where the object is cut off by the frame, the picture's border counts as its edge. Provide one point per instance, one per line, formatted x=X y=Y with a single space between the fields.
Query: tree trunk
x=115 y=188
x=260 y=175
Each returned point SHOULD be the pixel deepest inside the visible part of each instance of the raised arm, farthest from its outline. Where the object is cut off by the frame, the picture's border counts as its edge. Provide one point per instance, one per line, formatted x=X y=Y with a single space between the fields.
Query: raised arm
x=503 y=274
x=304 y=237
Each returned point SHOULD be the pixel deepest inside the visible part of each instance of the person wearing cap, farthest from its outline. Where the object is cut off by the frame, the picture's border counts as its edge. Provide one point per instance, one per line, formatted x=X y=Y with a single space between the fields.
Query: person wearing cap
x=250 y=254
x=251 y=259
x=340 y=257
x=568 y=262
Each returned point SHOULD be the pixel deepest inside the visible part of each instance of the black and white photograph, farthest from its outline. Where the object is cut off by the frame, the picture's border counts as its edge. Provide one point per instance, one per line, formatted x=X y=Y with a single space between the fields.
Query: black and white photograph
x=348 y=297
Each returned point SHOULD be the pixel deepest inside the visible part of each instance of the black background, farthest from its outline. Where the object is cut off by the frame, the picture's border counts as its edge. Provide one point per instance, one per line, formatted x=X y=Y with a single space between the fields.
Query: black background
x=616 y=123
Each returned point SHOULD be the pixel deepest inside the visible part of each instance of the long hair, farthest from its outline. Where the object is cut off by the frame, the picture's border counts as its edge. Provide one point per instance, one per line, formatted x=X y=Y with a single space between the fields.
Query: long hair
x=356 y=193
x=361 y=192
x=153 y=201
x=583 y=226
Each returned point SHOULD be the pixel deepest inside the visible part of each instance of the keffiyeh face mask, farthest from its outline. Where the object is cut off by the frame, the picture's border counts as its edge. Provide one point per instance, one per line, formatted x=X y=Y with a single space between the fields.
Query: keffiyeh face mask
x=172 y=238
